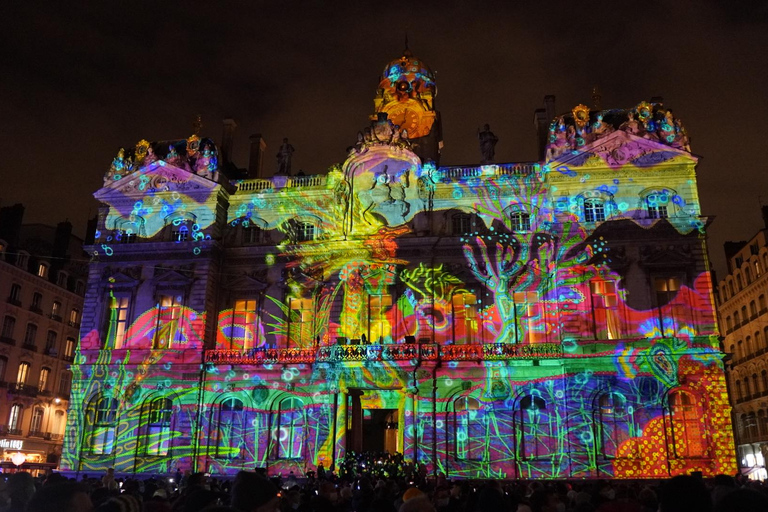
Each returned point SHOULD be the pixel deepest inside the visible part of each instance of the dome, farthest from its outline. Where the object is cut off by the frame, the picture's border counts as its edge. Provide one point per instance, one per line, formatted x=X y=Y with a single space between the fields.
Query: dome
x=407 y=69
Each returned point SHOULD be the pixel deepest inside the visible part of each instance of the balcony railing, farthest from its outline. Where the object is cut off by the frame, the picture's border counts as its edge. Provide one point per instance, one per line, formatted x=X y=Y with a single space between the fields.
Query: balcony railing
x=36 y=433
x=14 y=431
x=7 y=340
x=53 y=437
x=36 y=309
x=387 y=352
x=55 y=317
x=76 y=325
x=30 y=346
x=19 y=388
x=15 y=302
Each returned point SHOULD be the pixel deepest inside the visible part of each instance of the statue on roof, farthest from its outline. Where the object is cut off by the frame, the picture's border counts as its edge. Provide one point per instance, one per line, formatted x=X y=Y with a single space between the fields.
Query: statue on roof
x=284 y=155
x=487 y=144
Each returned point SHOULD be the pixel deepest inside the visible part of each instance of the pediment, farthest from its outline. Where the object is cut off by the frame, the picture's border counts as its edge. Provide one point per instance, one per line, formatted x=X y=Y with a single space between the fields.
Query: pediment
x=618 y=149
x=172 y=278
x=666 y=256
x=158 y=176
x=244 y=282
x=121 y=280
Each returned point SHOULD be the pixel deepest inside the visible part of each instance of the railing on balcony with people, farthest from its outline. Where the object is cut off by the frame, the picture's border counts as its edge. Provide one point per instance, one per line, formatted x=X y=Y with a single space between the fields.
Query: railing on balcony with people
x=386 y=352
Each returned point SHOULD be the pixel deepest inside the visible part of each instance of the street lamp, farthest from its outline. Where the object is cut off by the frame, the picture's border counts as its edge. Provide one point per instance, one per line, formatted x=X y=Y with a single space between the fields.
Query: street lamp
x=18 y=458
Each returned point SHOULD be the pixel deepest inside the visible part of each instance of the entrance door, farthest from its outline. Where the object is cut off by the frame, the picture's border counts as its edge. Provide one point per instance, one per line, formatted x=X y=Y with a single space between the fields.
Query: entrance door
x=380 y=430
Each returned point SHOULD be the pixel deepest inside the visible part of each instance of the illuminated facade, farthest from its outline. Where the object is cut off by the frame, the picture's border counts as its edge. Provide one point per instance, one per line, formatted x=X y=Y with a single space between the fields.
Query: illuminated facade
x=537 y=320
x=42 y=282
x=742 y=308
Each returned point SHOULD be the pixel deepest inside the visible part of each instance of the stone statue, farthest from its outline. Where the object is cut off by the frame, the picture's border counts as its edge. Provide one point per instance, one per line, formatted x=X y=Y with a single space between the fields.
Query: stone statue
x=487 y=144
x=284 y=158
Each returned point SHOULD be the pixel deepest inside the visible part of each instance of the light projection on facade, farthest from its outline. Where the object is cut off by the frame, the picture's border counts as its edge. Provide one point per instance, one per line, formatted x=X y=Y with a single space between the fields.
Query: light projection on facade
x=549 y=319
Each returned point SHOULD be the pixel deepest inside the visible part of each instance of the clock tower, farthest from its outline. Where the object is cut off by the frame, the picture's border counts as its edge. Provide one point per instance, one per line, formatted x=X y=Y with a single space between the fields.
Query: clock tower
x=406 y=94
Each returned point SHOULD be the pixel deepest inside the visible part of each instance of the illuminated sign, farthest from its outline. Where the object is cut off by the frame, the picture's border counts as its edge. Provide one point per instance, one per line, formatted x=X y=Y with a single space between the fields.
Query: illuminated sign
x=13 y=444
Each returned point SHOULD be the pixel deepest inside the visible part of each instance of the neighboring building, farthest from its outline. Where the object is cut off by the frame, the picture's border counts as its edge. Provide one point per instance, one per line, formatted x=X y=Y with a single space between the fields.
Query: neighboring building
x=743 y=320
x=544 y=319
x=42 y=282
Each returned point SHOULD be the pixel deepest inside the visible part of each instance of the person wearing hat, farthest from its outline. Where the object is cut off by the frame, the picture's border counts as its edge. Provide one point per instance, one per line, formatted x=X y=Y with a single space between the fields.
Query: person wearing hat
x=252 y=492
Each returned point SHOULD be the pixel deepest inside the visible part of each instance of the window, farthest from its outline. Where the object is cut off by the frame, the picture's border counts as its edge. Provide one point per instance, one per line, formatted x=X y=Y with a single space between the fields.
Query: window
x=74 y=317
x=42 y=384
x=739 y=393
x=758 y=340
x=56 y=310
x=594 y=210
x=739 y=282
x=730 y=288
x=379 y=329
x=118 y=320
x=15 y=295
x=61 y=279
x=58 y=422
x=520 y=221
x=728 y=323
x=747 y=391
x=470 y=430
x=671 y=314
x=761 y=303
x=461 y=224
x=42 y=270
x=614 y=423
x=37 y=301
x=158 y=438
x=65 y=384
x=69 y=349
x=125 y=237
x=536 y=428
x=688 y=434
x=22 y=374
x=79 y=287
x=755 y=384
x=22 y=260
x=305 y=232
x=748 y=272
x=752 y=309
x=244 y=326
x=14 y=420
x=758 y=272
x=657 y=203
x=231 y=429
x=30 y=335
x=763 y=377
x=605 y=310
x=168 y=315
x=739 y=349
x=528 y=321
x=9 y=325
x=464 y=318
x=180 y=233
x=36 y=424
x=300 y=323
x=101 y=420
x=736 y=319
x=3 y=367
x=252 y=234
x=290 y=429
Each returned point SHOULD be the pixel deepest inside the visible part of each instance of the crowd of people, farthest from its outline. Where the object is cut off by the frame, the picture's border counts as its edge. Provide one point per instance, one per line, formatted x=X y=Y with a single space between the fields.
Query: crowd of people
x=372 y=483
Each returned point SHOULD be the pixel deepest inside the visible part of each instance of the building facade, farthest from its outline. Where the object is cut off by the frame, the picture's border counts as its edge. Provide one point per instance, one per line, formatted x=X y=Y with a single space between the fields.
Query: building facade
x=742 y=307
x=544 y=319
x=42 y=283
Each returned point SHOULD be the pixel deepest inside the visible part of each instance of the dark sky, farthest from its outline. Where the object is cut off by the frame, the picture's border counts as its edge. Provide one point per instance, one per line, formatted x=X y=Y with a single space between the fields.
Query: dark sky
x=78 y=82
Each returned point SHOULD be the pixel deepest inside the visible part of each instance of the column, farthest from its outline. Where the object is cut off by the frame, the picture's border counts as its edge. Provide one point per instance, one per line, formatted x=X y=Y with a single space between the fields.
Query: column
x=356 y=438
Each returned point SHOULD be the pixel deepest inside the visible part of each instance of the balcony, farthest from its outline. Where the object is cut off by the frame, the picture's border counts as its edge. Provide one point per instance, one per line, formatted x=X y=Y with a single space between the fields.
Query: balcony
x=68 y=358
x=76 y=325
x=30 y=346
x=7 y=340
x=50 y=351
x=14 y=431
x=53 y=437
x=36 y=309
x=387 y=352
x=14 y=302
x=19 y=388
x=36 y=433
x=55 y=317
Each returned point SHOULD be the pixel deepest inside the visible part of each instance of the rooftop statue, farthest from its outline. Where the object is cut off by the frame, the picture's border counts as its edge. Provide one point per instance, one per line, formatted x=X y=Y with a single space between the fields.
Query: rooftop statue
x=284 y=156
x=487 y=144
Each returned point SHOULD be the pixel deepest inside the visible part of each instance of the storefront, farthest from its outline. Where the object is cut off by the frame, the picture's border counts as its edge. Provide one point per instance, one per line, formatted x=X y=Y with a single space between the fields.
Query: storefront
x=25 y=455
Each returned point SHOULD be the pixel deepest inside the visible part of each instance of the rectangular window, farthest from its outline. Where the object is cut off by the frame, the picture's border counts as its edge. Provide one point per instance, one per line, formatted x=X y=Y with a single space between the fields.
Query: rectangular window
x=252 y=234
x=461 y=224
x=56 y=310
x=244 y=325
x=22 y=374
x=594 y=210
x=379 y=330
x=300 y=323
x=43 y=383
x=529 y=320
x=9 y=325
x=37 y=301
x=65 y=383
x=69 y=349
x=127 y=238
x=30 y=335
x=180 y=235
x=36 y=424
x=605 y=312
x=168 y=313
x=118 y=320
x=42 y=270
x=464 y=318
x=305 y=232
x=15 y=294
x=50 y=343
x=671 y=314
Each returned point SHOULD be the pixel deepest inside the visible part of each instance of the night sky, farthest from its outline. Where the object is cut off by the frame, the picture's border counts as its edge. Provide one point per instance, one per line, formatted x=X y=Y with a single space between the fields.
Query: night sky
x=77 y=83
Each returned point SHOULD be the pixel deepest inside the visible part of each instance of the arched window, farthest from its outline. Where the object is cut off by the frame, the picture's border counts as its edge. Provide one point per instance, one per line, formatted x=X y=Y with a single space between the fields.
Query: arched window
x=657 y=203
x=290 y=429
x=752 y=309
x=42 y=384
x=101 y=424
x=736 y=319
x=22 y=374
x=464 y=318
x=739 y=394
x=3 y=367
x=537 y=434
x=168 y=329
x=230 y=429
x=594 y=210
x=14 y=420
x=614 y=423
x=748 y=346
x=755 y=384
x=758 y=340
x=761 y=303
x=748 y=272
x=739 y=281
x=300 y=323
x=739 y=349
x=730 y=289
x=728 y=323
x=747 y=391
x=469 y=429
x=762 y=422
x=36 y=424
x=158 y=435
x=744 y=314
x=687 y=432
x=764 y=378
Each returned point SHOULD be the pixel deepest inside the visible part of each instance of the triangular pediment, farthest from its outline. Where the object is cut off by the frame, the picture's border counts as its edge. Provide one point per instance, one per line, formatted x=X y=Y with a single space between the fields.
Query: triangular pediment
x=172 y=278
x=244 y=282
x=121 y=280
x=156 y=177
x=618 y=149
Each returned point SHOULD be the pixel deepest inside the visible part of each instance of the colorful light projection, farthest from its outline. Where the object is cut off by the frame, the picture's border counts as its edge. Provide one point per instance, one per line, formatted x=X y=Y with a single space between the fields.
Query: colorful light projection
x=520 y=321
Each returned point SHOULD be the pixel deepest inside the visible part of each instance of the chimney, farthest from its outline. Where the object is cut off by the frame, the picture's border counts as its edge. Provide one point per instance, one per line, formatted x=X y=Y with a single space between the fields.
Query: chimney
x=228 y=140
x=256 y=160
